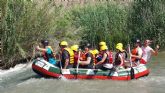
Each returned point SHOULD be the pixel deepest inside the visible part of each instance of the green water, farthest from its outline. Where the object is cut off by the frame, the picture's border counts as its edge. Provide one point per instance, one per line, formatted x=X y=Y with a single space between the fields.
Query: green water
x=24 y=80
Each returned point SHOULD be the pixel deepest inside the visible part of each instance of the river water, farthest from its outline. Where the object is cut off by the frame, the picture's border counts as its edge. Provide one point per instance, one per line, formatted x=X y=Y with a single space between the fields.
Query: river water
x=21 y=79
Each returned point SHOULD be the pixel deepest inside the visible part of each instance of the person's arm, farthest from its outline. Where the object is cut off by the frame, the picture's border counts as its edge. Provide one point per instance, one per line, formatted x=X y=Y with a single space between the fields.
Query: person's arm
x=121 y=59
x=155 y=52
x=66 y=57
x=103 y=59
x=41 y=49
x=66 y=63
x=85 y=62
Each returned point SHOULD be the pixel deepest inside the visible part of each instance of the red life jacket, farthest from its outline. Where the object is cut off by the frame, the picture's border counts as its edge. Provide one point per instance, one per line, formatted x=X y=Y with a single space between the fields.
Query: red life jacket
x=44 y=55
x=75 y=58
x=110 y=57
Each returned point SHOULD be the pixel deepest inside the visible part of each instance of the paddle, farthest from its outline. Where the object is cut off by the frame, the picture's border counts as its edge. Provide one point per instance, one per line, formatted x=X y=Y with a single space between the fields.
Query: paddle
x=60 y=64
x=132 y=75
x=78 y=61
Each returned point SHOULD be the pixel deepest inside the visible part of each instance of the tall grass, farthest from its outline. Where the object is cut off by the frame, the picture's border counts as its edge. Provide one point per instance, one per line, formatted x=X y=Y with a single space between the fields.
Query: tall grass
x=147 y=20
x=102 y=22
x=24 y=23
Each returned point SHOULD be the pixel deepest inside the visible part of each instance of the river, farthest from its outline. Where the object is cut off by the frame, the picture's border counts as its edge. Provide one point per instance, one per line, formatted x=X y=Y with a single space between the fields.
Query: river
x=21 y=79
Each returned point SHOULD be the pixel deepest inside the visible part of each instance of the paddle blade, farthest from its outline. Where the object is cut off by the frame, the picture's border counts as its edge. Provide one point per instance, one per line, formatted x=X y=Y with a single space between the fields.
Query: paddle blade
x=132 y=73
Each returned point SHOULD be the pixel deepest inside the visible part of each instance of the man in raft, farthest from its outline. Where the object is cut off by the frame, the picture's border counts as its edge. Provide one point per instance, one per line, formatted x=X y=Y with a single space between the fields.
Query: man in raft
x=148 y=51
x=136 y=53
x=47 y=52
x=120 y=57
x=86 y=60
x=76 y=54
x=105 y=58
x=110 y=53
x=67 y=55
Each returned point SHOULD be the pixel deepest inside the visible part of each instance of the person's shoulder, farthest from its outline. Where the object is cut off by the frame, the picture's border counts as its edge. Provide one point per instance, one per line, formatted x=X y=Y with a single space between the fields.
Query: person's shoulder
x=140 y=48
x=149 y=48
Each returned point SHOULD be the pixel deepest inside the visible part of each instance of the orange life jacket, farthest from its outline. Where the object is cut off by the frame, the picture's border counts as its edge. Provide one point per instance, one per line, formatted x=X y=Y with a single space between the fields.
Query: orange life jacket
x=83 y=56
x=134 y=52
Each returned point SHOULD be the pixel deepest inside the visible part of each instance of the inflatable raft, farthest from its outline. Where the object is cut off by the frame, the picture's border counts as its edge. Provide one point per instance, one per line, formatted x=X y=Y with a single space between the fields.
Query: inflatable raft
x=45 y=69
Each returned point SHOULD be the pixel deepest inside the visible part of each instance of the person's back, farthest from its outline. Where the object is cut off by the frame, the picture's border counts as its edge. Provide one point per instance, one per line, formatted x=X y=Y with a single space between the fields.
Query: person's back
x=50 y=56
x=67 y=54
x=120 y=56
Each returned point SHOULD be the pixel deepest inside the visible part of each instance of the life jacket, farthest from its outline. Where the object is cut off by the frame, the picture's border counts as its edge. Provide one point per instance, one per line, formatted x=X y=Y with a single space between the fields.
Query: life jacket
x=107 y=59
x=83 y=56
x=75 y=58
x=71 y=55
x=110 y=57
x=134 y=52
x=93 y=57
x=117 y=59
x=100 y=56
x=46 y=56
x=52 y=51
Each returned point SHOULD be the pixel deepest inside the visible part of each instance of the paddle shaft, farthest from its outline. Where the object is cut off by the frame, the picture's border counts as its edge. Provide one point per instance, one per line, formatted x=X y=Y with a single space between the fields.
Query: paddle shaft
x=129 y=50
x=78 y=61
x=132 y=75
x=60 y=63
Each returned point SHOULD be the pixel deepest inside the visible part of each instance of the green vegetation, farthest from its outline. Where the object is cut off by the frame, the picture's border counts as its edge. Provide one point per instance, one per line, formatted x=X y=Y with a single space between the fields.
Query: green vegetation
x=26 y=22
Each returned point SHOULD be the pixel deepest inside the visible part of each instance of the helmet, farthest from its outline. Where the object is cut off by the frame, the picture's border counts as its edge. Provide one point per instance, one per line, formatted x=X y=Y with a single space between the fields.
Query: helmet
x=103 y=48
x=45 y=42
x=102 y=43
x=75 y=47
x=63 y=43
x=119 y=46
x=95 y=52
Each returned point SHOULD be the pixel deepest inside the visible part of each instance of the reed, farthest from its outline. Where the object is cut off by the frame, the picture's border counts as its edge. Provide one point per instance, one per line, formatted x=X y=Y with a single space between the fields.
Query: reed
x=25 y=22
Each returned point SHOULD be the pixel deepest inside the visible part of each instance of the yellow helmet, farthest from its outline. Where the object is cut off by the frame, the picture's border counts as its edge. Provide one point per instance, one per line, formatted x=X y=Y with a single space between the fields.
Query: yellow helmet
x=104 y=47
x=91 y=52
x=95 y=52
x=63 y=43
x=119 y=46
x=102 y=43
x=75 y=47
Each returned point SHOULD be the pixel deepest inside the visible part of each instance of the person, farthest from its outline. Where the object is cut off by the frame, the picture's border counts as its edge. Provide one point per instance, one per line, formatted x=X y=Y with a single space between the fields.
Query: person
x=105 y=60
x=86 y=60
x=47 y=52
x=136 y=53
x=110 y=55
x=102 y=43
x=76 y=54
x=120 y=56
x=95 y=52
x=148 y=51
x=67 y=55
